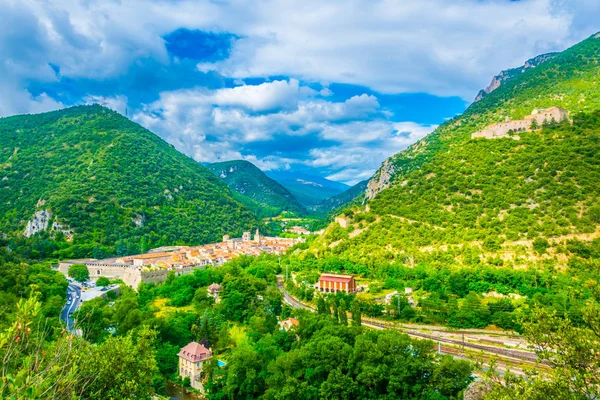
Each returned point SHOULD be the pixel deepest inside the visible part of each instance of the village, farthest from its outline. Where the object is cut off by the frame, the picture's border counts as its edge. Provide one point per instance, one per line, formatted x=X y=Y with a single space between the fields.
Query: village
x=155 y=265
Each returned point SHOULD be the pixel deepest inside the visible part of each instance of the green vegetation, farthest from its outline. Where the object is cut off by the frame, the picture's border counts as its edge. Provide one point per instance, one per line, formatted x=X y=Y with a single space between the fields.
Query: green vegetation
x=79 y=272
x=571 y=352
x=476 y=201
x=113 y=186
x=333 y=203
x=40 y=363
x=323 y=358
x=263 y=195
x=463 y=297
x=102 y=281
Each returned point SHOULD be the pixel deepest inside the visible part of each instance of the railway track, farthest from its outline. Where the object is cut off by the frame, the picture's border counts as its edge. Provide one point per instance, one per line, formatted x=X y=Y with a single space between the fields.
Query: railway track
x=520 y=356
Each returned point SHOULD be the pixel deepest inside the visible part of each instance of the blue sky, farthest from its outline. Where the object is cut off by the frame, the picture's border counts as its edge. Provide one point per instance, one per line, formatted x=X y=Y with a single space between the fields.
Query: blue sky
x=330 y=88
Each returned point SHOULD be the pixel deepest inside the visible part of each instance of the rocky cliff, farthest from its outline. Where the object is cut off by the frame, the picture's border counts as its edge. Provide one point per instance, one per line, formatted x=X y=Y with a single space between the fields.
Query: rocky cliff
x=511 y=73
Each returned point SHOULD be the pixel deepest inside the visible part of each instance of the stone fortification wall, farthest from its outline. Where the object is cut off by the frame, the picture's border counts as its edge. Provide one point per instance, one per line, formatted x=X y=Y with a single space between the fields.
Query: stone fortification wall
x=503 y=129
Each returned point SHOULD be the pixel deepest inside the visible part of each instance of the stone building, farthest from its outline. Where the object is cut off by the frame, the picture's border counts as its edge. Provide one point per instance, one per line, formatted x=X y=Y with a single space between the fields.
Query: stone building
x=503 y=129
x=214 y=290
x=289 y=323
x=191 y=363
x=331 y=283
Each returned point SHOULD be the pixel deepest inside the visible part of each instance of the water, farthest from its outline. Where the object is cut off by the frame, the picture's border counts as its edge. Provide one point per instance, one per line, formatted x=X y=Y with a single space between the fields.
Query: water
x=176 y=392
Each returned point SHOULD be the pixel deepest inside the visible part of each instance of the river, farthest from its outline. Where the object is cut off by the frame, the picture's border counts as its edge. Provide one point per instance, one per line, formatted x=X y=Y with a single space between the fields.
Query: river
x=176 y=392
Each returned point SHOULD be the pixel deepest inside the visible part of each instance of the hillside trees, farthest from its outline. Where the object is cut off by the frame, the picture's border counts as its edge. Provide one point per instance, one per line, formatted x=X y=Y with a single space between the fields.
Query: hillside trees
x=79 y=272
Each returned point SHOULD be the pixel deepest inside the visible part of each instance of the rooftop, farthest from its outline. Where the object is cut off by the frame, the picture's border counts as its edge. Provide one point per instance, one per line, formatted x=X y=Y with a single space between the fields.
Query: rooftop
x=195 y=352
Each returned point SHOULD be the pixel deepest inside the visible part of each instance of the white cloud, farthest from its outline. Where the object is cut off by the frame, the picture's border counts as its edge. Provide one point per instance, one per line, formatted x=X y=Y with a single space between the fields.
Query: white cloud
x=263 y=97
x=220 y=125
x=434 y=46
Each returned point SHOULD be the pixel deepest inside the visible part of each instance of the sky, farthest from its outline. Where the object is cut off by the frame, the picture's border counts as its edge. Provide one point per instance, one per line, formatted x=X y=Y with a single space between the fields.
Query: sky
x=330 y=88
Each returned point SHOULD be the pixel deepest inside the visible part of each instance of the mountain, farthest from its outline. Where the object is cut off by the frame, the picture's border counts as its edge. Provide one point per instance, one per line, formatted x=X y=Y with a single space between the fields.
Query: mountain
x=507 y=74
x=260 y=192
x=308 y=189
x=328 y=205
x=521 y=200
x=87 y=181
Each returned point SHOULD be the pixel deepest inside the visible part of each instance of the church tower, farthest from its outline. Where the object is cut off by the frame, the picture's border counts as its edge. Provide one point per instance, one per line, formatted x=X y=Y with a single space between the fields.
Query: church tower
x=257 y=236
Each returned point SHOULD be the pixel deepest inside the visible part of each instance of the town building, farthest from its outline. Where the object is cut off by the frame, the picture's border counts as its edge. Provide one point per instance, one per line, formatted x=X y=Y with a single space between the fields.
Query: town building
x=154 y=266
x=214 y=290
x=289 y=323
x=331 y=283
x=299 y=230
x=503 y=129
x=191 y=363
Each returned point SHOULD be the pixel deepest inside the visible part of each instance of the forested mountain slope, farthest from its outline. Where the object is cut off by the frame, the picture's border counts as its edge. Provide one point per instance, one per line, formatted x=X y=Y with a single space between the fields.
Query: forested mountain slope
x=328 y=205
x=87 y=181
x=451 y=199
x=261 y=193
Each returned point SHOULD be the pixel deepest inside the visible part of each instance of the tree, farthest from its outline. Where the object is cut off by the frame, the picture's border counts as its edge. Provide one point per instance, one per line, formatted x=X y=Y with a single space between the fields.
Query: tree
x=102 y=281
x=571 y=352
x=123 y=367
x=342 y=315
x=79 y=272
x=322 y=307
x=534 y=125
x=356 y=314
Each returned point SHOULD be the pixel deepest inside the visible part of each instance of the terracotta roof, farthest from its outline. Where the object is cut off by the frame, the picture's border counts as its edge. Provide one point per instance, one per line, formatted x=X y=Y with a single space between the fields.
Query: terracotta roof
x=336 y=278
x=215 y=286
x=195 y=352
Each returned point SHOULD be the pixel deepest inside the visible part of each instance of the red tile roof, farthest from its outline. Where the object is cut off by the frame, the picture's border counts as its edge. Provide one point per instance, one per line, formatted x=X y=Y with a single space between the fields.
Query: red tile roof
x=195 y=352
x=336 y=278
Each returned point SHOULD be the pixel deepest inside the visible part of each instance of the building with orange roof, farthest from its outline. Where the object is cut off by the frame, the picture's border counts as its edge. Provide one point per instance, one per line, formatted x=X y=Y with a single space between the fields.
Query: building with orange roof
x=332 y=283
x=289 y=323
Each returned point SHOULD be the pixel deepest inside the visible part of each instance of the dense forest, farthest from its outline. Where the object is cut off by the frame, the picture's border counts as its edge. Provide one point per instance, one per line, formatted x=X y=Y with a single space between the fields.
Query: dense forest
x=103 y=185
x=326 y=357
x=488 y=201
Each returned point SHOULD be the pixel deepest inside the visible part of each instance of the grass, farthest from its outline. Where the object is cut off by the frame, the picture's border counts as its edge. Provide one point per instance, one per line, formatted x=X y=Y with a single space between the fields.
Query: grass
x=164 y=309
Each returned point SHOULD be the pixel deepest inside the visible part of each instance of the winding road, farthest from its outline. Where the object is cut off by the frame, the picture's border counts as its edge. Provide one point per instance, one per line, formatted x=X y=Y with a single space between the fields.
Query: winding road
x=73 y=303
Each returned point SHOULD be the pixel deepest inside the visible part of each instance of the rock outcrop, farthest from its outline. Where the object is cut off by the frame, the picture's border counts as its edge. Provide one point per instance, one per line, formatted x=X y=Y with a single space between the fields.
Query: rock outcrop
x=38 y=223
x=381 y=180
x=513 y=72
x=477 y=390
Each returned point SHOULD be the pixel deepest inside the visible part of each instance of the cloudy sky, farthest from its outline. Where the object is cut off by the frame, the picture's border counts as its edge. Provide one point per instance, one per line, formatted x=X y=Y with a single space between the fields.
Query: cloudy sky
x=325 y=87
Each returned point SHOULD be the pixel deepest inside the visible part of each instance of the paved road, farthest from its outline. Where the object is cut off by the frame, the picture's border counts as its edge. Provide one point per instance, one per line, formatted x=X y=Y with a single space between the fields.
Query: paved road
x=73 y=303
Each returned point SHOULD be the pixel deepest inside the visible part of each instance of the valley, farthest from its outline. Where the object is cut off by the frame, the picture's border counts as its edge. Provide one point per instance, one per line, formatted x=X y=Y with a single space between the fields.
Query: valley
x=174 y=251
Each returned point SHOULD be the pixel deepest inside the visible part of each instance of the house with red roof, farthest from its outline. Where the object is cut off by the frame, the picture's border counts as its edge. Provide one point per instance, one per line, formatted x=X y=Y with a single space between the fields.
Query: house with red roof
x=191 y=362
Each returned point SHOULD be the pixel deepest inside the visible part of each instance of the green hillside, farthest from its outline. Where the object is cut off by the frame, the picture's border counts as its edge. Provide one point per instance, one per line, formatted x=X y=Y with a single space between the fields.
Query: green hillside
x=328 y=205
x=261 y=193
x=101 y=184
x=452 y=200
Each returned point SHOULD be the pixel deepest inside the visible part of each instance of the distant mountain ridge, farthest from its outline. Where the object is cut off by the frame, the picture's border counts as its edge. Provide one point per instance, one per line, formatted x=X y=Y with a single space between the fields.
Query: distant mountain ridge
x=86 y=181
x=328 y=205
x=308 y=189
x=265 y=195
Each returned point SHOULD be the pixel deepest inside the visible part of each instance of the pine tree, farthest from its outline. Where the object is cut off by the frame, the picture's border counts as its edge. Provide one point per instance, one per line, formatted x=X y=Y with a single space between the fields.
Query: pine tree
x=356 y=314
